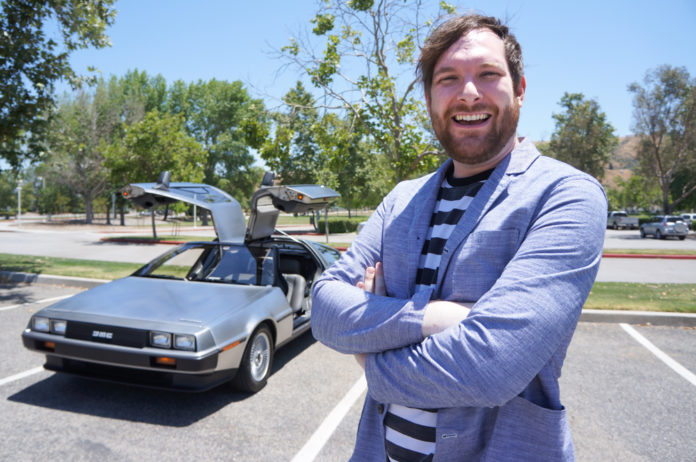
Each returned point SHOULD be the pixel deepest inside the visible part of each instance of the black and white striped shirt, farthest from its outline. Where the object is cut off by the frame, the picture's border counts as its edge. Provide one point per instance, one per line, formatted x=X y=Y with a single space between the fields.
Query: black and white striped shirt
x=410 y=433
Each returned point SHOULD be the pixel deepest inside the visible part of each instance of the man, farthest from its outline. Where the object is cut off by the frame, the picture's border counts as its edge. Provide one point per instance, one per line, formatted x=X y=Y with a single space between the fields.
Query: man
x=499 y=228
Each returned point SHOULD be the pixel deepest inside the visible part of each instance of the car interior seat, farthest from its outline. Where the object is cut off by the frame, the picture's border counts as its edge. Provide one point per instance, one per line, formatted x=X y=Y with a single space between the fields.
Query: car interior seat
x=297 y=284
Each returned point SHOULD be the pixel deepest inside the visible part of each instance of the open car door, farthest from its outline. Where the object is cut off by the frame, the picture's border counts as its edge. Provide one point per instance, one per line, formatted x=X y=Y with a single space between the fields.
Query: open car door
x=227 y=214
x=268 y=201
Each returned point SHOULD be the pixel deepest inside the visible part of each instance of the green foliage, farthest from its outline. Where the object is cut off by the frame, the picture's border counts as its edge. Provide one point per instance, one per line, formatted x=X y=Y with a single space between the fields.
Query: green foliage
x=380 y=40
x=153 y=145
x=665 y=119
x=323 y=23
x=227 y=122
x=31 y=62
x=637 y=192
x=339 y=225
x=583 y=137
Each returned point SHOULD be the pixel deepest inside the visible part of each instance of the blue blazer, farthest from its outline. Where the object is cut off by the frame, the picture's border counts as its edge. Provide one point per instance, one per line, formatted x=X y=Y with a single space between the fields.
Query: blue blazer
x=526 y=251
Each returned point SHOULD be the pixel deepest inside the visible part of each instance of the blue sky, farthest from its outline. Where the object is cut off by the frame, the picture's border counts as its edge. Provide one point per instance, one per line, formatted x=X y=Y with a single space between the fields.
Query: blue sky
x=593 y=47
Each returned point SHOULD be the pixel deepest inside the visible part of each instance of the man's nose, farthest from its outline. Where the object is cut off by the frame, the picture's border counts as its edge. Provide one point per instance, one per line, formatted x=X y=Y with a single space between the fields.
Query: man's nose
x=469 y=92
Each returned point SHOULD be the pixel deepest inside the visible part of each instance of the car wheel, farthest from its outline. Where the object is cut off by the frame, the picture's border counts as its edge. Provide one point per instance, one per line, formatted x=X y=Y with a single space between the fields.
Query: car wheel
x=615 y=227
x=681 y=238
x=256 y=363
x=642 y=233
x=658 y=235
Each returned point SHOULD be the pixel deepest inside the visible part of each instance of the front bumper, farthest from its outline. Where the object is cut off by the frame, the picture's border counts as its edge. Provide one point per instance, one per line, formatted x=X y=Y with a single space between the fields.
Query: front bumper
x=192 y=371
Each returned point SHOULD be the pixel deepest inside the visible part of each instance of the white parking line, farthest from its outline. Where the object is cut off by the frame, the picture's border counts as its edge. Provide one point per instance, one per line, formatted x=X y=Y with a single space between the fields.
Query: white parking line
x=21 y=375
x=317 y=441
x=45 y=300
x=676 y=367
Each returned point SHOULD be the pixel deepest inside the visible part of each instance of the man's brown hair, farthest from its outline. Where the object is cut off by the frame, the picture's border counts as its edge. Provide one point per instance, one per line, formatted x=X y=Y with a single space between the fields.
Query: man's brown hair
x=447 y=33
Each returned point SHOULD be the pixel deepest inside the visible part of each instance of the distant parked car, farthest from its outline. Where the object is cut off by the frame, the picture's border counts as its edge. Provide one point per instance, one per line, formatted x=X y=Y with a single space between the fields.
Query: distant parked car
x=689 y=218
x=620 y=220
x=663 y=226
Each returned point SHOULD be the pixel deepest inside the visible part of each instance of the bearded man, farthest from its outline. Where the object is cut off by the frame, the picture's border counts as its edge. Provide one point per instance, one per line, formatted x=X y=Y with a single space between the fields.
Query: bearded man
x=461 y=294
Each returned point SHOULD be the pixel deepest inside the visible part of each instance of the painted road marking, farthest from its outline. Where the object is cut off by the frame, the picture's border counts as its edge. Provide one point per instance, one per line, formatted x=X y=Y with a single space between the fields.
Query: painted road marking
x=676 y=367
x=45 y=300
x=21 y=375
x=317 y=441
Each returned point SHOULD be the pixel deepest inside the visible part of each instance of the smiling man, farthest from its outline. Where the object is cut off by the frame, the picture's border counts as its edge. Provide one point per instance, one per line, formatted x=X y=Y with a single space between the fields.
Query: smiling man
x=461 y=294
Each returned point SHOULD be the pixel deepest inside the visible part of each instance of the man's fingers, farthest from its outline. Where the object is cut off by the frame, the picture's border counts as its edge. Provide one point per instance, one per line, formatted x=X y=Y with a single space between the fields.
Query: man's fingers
x=370 y=279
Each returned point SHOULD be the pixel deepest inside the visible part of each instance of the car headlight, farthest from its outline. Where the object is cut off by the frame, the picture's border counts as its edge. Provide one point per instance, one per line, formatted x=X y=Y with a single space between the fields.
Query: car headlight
x=184 y=342
x=161 y=339
x=40 y=324
x=58 y=326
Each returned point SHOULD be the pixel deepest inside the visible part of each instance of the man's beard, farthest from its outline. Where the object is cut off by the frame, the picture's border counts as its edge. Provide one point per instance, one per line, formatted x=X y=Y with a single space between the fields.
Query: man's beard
x=473 y=150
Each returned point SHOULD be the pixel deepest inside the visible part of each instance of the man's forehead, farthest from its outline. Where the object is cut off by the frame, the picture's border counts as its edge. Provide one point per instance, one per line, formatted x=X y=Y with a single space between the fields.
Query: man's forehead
x=482 y=45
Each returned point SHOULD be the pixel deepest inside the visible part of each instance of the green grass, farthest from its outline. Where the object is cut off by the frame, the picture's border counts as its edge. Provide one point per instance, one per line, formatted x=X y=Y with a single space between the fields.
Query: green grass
x=651 y=251
x=604 y=295
x=647 y=297
x=66 y=266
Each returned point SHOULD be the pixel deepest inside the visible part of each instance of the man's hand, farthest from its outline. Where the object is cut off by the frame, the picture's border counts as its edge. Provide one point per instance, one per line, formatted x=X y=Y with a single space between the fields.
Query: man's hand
x=374 y=280
x=441 y=314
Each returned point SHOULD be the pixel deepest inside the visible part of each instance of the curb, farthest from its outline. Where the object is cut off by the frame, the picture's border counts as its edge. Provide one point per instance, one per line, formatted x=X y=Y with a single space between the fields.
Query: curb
x=655 y=318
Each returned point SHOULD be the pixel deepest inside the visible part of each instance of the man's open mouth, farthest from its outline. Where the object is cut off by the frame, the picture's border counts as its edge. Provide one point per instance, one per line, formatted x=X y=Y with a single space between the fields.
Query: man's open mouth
x=471 y=119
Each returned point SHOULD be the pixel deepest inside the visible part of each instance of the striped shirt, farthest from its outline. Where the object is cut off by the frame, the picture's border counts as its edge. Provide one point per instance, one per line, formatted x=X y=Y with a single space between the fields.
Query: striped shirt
x=410 y=433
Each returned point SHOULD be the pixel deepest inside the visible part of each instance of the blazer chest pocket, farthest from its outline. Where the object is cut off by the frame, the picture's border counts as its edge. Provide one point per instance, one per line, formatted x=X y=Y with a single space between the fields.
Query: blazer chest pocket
x=479 y=261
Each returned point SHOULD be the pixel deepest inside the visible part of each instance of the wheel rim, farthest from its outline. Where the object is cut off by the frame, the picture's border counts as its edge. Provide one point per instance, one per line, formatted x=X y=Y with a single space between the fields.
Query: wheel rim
x=260 y=356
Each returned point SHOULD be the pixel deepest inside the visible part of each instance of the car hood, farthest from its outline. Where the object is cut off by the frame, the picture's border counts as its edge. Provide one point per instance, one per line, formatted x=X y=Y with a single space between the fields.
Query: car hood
x=138 y=302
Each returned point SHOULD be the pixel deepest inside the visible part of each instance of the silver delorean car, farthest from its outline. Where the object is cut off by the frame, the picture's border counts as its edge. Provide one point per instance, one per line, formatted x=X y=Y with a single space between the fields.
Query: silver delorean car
x=203 y=313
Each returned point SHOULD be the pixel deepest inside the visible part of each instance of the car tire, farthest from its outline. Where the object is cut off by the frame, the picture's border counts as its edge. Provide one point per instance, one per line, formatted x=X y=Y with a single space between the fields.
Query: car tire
x=642 y=233
x=681 y=238
x=257 y=361
x=658 y=235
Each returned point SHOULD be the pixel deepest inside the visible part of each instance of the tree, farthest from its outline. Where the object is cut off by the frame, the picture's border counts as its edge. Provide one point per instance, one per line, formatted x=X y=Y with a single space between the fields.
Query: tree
x=228 y=123
x=637 y=192
x=583 y=138
x=664 y=116
x=293 y=151
x=379 y=42
x=80 y=132
x=156 y=144
x=349 y=166
x=31 y=63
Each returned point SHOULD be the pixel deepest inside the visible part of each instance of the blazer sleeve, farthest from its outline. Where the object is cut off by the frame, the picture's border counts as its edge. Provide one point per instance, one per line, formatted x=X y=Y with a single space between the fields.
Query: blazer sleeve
x=351 y=320
x=515 y=328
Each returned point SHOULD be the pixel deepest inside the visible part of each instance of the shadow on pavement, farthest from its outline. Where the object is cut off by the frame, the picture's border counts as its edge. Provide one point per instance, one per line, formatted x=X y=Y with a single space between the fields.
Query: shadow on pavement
x=158 y=407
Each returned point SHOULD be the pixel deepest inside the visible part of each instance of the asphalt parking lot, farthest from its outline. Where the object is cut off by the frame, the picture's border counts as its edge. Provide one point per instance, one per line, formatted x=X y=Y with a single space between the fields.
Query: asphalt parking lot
x=630 y=390
x=624 y=403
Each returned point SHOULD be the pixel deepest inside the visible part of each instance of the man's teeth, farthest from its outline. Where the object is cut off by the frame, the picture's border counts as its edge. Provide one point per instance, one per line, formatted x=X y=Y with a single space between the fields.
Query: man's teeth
x=470 y=118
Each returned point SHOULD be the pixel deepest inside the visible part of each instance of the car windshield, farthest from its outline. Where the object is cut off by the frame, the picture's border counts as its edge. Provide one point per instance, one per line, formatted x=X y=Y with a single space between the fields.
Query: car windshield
x=206 y=262
x=329 y=253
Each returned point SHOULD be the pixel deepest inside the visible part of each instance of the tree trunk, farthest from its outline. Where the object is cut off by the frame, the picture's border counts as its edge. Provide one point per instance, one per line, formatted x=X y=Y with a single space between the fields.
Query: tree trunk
x=154 y=228
x=88 y=211
x=108 y=214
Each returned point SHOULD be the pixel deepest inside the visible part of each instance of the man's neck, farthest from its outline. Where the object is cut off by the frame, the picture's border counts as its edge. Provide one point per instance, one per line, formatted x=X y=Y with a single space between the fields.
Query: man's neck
x=462 y=170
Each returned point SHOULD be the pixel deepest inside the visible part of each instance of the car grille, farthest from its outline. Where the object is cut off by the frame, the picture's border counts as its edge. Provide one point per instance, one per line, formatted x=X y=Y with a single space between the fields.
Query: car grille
x=113 y=335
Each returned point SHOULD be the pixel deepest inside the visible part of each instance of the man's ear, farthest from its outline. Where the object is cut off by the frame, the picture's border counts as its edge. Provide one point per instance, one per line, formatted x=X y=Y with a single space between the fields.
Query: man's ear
x=521 y=89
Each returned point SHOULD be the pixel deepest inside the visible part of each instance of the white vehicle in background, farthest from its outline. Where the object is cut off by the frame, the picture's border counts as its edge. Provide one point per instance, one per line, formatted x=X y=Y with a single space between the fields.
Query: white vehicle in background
x=620 y=220
x=663 y=226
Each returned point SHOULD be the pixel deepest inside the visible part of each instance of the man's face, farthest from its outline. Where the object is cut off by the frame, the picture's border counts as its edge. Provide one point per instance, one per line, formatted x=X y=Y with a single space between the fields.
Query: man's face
x=473 y=104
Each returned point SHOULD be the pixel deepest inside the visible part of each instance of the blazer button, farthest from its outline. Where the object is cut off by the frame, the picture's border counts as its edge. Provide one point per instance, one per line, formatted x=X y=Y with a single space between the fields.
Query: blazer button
x=380 y=408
